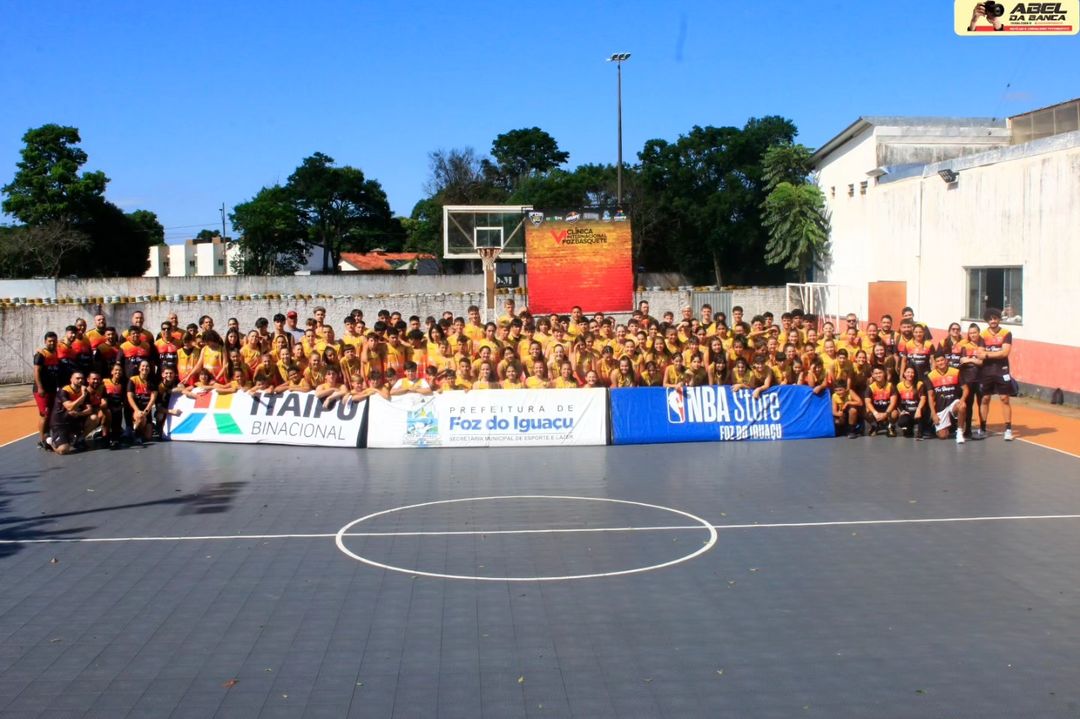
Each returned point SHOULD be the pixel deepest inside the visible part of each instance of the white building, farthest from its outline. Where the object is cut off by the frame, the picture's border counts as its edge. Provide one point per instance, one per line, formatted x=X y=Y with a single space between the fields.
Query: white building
x=954 y=215
x=193 y=258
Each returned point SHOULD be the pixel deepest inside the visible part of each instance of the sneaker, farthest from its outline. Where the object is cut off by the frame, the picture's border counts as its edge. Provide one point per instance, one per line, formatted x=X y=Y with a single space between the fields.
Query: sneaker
x=138 y=441
x=872 y=431
x=960 y=437
x=978 y=434
x=918 y=435
x=1008 y=435
x=852 y=435
x=892 y=430
x=44 y=445
x=113 y=444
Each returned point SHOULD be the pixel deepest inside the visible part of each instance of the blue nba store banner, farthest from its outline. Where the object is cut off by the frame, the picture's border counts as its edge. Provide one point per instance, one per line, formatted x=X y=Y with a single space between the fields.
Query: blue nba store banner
x=647 y=415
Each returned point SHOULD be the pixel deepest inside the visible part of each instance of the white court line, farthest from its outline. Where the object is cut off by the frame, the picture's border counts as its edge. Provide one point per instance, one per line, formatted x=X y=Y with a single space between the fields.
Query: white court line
x=718 y=527
x=1052 y=449
x=20 y=439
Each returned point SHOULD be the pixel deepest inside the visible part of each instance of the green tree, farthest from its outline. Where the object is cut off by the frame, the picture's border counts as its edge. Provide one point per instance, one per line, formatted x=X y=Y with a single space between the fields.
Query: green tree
x=794 y=211
x=273 y=238
x=49 y=192
x=705 y=193
x=342 y=210
x=206 y=235
x=524 y=153
x=787 y=162
x=47 y=185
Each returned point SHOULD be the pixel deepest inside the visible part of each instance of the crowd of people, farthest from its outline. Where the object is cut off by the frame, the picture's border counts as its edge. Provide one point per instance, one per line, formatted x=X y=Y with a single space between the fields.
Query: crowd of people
x=886 y=377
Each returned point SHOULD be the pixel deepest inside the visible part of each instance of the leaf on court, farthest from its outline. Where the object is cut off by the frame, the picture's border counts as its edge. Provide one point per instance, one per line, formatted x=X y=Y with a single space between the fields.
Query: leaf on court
x=648 y=680
x=230 y=684
x=56 y=640
x=719 y=672
x=920 y=691
x=521 y=679
x=54 y=560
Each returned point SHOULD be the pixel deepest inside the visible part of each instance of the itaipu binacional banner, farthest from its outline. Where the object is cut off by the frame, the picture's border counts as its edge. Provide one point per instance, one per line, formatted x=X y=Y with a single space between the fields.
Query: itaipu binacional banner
x=576 y=261
x=645 y=415
x=297 y=418
x=490 y=418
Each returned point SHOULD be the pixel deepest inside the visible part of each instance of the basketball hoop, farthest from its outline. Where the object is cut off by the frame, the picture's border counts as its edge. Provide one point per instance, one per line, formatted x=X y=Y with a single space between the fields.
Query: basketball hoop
x=488 y=255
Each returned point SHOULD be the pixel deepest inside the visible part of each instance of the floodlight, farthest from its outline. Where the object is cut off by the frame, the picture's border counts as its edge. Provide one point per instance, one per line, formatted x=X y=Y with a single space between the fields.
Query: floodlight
x=619 y=57
x=948 y=176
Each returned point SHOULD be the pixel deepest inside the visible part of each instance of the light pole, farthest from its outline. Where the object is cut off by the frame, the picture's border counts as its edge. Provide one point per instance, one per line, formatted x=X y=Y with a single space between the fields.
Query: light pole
x=619 y=58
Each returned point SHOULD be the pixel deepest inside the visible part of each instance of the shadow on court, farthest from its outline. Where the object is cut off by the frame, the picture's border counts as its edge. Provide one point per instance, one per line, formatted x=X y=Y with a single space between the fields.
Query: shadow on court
x=16 y=529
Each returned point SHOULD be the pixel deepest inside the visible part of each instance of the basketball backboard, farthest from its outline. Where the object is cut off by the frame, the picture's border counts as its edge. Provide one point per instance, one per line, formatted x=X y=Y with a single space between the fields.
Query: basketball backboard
x=468 y=228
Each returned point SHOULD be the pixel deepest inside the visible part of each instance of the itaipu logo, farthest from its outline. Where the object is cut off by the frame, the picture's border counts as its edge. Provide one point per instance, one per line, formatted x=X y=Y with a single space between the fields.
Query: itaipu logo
x=223 y=421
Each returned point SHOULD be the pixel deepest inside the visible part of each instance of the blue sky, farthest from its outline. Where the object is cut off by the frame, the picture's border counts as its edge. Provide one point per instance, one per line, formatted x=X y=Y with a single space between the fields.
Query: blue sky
x=186 y=106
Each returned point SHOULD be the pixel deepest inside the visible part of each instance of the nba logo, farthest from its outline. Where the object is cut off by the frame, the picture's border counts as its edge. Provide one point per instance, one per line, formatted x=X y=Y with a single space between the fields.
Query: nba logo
x=676 y=405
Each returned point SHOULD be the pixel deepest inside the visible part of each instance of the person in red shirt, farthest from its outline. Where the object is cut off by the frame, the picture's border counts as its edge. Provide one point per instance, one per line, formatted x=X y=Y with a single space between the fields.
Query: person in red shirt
x=46 y=382
x=135 y=351
x=97 y=334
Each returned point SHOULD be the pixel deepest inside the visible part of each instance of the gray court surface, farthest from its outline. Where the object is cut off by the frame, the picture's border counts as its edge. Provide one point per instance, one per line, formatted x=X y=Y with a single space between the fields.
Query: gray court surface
x=817 y=589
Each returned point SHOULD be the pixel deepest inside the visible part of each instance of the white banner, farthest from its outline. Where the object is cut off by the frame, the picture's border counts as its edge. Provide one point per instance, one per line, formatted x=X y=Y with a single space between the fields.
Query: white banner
x=490 y=418
x=288 y=418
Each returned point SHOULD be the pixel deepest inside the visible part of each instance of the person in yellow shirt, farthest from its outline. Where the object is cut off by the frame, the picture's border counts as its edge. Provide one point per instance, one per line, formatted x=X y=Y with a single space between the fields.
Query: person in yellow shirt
x=509 y=359
x=846 y=409
x=485 y=356
x=474 y=330
x=696 y=374
x=490 y=340
x=675 y=374
x=565 y=379
x=623 y=375
x=538 y=379
x=331 y=389
x=411 y=383
x=485 y=377
x=509 y=312
x=513 y=379
x=315 y=374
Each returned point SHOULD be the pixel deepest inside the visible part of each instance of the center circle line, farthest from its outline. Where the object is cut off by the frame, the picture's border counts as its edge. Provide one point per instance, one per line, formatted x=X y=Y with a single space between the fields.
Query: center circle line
x=339 y=539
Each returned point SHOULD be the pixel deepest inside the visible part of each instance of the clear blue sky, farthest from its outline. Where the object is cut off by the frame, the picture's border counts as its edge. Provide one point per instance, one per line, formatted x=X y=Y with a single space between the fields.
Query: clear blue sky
x=188 y=105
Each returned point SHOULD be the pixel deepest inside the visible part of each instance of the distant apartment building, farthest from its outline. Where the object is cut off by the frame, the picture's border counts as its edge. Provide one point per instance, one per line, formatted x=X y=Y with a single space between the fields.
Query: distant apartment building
x=193 y=258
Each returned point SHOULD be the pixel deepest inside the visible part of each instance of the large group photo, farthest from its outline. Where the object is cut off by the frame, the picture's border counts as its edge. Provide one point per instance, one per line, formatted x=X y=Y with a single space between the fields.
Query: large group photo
x=365 y=361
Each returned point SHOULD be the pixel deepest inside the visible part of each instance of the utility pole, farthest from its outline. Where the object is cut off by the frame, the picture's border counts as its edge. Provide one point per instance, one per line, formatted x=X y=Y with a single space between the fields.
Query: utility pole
x=222 y=221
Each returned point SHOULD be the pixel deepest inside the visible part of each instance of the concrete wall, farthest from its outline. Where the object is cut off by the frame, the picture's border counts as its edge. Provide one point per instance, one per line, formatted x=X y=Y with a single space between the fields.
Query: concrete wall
x=22 y=328
x=1016 y=206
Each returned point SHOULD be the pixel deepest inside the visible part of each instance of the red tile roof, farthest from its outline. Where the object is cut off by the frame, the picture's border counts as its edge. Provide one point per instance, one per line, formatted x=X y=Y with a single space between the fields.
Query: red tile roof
x=375 y=261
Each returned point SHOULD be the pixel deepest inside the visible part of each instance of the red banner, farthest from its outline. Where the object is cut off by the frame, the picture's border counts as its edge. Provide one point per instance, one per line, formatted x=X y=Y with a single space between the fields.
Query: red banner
x=584 y=262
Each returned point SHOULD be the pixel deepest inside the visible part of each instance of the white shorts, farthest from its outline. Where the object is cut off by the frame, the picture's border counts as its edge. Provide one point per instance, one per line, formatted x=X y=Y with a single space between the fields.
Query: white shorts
x=945 y=416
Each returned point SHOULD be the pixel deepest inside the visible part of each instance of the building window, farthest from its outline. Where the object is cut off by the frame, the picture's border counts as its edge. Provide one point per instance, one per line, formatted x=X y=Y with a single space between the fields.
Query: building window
x=221 y=263
x=999 y=287
x=191 y=263
x=832 y=191
x=862 y=187
x=851 y=190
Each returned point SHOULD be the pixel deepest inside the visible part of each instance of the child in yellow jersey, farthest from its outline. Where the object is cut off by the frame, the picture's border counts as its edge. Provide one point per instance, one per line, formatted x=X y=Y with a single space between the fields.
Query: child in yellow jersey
x=566 y=379
x=513 y=379
x=741 y=378
x=538 y=379
x=485 y=377
x=675 y=374
x=846 y=409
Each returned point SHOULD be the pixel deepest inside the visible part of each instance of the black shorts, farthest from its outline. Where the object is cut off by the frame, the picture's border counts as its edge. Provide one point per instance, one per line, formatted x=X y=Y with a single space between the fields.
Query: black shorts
x=997 y=385
x=65 y=433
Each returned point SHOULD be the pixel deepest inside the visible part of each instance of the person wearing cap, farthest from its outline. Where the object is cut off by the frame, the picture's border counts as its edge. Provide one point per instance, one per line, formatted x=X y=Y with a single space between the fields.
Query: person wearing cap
x=291 y=328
